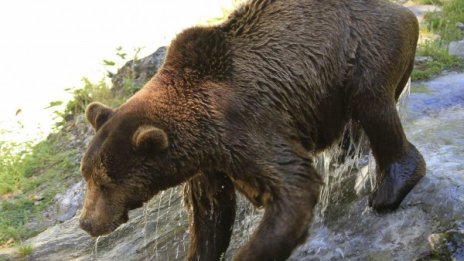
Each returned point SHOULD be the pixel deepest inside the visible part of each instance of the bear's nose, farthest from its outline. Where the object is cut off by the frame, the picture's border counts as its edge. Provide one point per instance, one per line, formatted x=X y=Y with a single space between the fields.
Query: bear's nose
x=85 y=225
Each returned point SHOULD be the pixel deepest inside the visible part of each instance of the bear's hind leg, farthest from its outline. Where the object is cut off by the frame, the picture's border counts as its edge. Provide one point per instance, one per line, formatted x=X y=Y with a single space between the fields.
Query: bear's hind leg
x=400 y=166
x=210 y=201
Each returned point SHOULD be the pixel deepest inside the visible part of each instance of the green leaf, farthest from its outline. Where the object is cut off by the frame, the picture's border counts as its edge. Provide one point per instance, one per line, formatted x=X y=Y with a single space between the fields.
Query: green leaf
x=54 y=104
x=122 y=55
x=108 y=63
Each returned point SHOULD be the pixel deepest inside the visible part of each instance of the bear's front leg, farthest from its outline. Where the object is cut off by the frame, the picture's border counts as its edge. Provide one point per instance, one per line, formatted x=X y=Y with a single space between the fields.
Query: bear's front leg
x=210 y=200
x=288 y=214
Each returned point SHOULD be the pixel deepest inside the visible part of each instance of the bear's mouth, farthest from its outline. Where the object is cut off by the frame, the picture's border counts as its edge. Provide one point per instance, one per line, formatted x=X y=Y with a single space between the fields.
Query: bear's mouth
x=95 y=230
x=101 y=231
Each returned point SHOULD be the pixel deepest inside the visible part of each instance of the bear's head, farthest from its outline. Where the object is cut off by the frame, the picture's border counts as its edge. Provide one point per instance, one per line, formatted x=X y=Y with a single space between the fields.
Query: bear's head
x=123 y=167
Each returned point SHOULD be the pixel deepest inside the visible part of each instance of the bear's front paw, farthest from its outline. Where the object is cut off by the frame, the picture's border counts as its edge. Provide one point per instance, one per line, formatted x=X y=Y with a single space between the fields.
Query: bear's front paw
x=397 y=180
x=387 y=197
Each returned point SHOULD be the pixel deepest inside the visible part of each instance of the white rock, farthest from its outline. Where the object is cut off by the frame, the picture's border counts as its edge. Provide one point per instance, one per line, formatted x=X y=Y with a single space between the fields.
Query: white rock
x=423 y=59
x=460 y=25
x=456 y=48
x=71 y=201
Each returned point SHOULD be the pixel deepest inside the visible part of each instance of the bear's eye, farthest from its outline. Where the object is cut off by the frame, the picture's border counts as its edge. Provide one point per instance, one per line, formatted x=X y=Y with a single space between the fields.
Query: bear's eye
x=104 y=186
x=104 y=189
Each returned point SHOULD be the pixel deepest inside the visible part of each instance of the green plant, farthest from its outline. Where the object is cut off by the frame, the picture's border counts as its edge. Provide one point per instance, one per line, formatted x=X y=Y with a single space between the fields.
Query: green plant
x=86 y=94
x=11 y=170
x=442 y=23
x=98 y=91
x=120 y=59
x=13 y=218
x=430 y=2
x=89 y=92
x=25 y=250
x=441 y=60
x=129 y=84
x=35 y=177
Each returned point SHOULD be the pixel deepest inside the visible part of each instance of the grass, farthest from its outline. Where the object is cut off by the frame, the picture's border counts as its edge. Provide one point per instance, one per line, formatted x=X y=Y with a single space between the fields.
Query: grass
x=25 y=250
x=441 y=23
x=441 y=61
x=430 y=2
x=10 y=173
x=33 y=179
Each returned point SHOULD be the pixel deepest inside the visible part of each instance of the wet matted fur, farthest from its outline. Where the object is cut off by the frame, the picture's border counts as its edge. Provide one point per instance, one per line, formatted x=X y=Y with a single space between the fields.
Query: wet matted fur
x=244 y=106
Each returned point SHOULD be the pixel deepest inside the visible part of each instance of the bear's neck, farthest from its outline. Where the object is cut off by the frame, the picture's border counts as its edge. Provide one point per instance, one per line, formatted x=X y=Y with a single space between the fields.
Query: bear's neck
x=188 y=111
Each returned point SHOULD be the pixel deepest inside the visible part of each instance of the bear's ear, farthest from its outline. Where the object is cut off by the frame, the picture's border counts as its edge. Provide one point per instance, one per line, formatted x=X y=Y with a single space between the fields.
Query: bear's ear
x=150 y=137
x=97 y=114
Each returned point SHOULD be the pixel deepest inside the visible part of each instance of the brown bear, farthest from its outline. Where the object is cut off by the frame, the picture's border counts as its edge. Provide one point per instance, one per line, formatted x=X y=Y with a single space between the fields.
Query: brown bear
x=244 y=106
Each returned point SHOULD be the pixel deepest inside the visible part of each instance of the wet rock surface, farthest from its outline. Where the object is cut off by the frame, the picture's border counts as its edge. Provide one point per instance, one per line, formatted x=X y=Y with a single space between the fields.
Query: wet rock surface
x=447 y=245
x=428 y=225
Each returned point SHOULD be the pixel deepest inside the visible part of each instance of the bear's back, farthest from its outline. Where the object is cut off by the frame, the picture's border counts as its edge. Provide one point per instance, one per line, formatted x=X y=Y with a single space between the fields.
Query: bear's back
x=313 y=37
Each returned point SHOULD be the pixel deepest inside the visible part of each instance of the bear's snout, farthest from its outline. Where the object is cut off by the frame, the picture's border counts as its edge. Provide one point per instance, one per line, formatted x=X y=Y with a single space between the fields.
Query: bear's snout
x=85 y=225
x=90 y=228
x=95 y=230
x=97 y=225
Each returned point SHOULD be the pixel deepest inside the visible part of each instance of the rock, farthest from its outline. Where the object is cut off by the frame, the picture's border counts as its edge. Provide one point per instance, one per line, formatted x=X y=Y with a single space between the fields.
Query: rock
x=460 y=26
x=157 y=231
x=449 y=245
x=422 y=59
x=456 y=48
x=134 y=74
x=71 y=201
